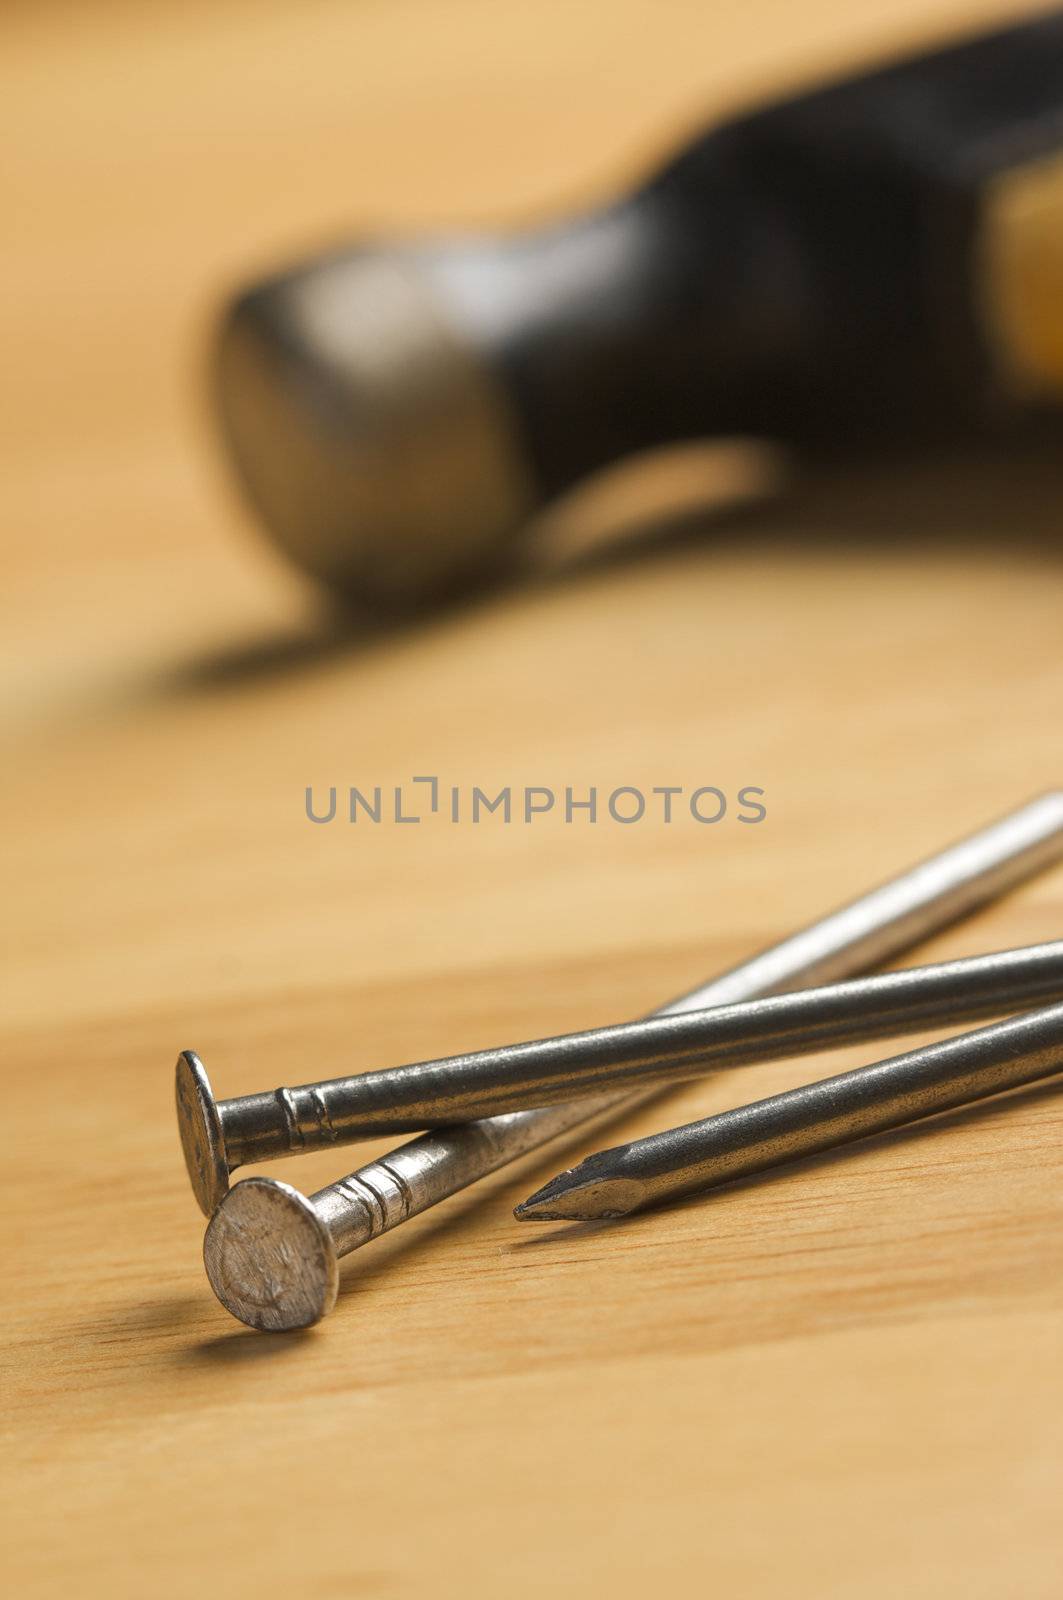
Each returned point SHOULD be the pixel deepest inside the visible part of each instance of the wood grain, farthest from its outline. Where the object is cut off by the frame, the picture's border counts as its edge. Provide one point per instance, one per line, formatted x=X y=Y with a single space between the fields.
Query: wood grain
x=841 y=1381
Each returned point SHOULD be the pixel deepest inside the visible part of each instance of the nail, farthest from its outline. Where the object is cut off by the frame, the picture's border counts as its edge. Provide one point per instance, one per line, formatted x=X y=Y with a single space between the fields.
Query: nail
x=818 y=1116
x=219 y=1136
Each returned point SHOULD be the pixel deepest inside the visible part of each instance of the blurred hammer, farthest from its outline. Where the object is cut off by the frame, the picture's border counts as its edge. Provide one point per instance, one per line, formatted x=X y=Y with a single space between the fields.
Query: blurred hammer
x=878 y=260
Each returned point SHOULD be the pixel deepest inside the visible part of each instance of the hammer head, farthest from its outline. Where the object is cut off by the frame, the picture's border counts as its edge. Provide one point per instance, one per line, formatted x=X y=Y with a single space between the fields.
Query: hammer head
x=368 y=434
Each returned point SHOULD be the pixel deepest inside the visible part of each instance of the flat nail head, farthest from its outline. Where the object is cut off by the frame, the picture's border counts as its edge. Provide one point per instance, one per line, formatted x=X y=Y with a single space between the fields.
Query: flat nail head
x=270 y=1258
x=202 y=1139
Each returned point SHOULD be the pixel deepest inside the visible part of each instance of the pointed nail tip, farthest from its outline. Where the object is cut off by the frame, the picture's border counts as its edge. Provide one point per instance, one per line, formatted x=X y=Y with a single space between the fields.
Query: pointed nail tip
x=542 y=1197
x=538 y=1207
x=584 y=1199
x=564 y=1203
x=535 y=1211
x=550 y=1203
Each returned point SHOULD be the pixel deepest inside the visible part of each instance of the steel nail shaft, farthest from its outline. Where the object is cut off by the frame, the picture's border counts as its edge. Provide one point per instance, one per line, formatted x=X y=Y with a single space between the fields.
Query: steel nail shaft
x=819 y=1116
x=572 y=1066
x=271 y=1254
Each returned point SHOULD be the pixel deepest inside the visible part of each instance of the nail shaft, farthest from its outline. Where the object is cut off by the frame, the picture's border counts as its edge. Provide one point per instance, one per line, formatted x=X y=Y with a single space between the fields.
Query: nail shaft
x=271 y=1253
x=668 y=1048
x=819 y=1116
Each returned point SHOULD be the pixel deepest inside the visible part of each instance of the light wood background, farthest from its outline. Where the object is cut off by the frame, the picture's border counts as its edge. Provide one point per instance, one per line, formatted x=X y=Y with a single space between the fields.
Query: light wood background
x=840 y=1382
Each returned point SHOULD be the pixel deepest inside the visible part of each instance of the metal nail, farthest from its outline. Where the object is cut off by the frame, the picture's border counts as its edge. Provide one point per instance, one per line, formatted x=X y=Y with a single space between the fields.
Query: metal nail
x=819 y=1116
x=219 y=1136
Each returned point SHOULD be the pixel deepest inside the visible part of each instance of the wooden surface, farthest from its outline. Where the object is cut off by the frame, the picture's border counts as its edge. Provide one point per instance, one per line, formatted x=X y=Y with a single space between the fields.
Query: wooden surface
x=840 y=1382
